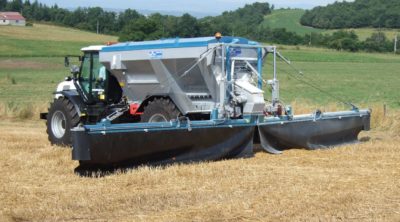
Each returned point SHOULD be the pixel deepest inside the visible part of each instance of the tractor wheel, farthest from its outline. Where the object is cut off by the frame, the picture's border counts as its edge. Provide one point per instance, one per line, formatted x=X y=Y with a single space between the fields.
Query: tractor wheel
x=160 y=110
x=62 y=116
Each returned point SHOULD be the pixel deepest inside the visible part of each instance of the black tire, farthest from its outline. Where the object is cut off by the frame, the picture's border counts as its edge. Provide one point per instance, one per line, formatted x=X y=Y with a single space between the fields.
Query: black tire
x=62 y=115
x=160 y=110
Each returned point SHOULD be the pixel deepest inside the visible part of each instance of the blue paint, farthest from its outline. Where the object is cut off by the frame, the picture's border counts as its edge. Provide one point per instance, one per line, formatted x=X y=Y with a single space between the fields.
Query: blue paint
x=101 y=128
x=228 y=63
x=247 y=121
x=236 y=52
x=228 y=73
x=259 y=67
x=214 y=114
x=176 y=43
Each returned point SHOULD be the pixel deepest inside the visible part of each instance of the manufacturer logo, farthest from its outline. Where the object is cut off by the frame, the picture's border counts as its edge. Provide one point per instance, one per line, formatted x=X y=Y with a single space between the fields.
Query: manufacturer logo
x=155 y=54
x=235 y=52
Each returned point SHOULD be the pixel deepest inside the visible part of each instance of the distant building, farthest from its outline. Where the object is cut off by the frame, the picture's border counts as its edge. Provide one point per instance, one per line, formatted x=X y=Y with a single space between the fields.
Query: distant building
x=12 y=18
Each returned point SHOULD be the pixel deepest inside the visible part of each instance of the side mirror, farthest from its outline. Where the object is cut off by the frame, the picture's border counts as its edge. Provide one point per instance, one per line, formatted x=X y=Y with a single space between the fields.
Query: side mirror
x=66 y=61
x=74 y=70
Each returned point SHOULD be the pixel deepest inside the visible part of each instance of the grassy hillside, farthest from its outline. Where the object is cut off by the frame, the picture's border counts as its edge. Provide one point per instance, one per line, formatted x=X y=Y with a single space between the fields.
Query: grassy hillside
x=31 y=64
x=46 y=40
x=289 y=19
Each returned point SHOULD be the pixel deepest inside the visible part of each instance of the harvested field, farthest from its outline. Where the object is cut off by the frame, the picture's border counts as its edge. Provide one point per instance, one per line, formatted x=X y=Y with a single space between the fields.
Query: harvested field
x=351 y=183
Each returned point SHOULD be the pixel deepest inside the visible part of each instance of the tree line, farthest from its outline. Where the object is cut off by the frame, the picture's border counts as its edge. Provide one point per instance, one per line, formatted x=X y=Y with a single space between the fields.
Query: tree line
x=131 y=25
x=357 y=14
x=247 y=21
x=339 y=40
x=349 y=41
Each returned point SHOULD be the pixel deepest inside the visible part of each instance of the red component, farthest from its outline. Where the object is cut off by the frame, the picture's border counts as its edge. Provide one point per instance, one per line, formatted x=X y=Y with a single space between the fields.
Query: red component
x=133 y=109
x=279 y=110
x=111 y=43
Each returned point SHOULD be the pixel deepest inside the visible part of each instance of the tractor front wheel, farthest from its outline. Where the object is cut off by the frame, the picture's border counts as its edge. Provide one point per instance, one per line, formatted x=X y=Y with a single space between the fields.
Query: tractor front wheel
x=61 y=118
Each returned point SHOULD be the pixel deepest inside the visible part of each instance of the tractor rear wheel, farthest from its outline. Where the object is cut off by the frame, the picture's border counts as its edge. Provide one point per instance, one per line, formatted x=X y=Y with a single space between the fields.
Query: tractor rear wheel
x=61 y=118
x=160 y=110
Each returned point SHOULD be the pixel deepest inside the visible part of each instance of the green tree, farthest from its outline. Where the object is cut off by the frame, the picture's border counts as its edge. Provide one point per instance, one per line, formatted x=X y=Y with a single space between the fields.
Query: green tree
x=359 y=13
x=15 y=6
x=188 y=26
x=378 y=42
x=3 y=4
x=140 y=29
x=241 y=22
x=126 y=17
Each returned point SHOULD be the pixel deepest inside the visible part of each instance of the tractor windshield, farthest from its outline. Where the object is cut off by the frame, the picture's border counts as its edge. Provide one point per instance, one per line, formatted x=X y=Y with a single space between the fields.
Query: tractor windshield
x=92 y=76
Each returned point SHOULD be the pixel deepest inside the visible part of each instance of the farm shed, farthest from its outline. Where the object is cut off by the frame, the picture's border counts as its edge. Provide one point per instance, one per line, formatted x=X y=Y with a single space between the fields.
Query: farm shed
x=12 y=18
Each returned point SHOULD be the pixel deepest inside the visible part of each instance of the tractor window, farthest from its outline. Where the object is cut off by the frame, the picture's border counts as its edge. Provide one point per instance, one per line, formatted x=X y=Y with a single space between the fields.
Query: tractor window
x=99 y=74
x=84 y=79
x=93 y=76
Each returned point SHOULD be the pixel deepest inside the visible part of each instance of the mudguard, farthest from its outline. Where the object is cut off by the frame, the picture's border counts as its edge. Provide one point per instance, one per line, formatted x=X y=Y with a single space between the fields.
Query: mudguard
x=75 y=99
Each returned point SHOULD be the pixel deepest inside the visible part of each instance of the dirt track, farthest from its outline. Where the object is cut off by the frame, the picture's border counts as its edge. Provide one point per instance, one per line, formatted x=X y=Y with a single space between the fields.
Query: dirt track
x=352 y=183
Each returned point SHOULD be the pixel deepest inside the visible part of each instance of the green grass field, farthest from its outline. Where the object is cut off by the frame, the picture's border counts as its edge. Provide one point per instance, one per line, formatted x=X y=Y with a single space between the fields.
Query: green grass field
x=361 y=78
x=289 y=19
x=31 y=62
x=30 y=80
x=43 y=40
x=31 y=59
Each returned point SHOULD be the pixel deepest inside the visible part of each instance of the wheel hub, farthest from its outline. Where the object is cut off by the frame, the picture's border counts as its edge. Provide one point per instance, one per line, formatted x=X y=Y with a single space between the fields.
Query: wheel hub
x=157 y=118
x=58 y=124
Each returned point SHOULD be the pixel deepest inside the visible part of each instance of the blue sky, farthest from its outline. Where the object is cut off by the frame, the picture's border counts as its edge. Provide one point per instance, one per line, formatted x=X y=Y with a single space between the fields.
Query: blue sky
x=203 y=6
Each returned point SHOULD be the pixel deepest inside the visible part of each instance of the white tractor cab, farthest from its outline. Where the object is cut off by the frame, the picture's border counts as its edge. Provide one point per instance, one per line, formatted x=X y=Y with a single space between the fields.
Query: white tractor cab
x=86 y=97
x=90 y=66
x=69 y=85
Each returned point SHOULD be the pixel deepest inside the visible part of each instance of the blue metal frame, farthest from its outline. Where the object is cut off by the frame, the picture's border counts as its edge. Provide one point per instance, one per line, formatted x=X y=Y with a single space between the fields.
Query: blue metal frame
x=312 y=117
x=259 y=67
x=249 y=120
x=176 y=43
x=228 y=63
x=106 y=127
x=228 y=72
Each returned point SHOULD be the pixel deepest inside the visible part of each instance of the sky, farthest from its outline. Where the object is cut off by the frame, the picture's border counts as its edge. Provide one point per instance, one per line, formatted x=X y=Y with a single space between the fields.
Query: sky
x=211 y=7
